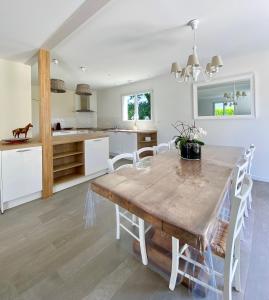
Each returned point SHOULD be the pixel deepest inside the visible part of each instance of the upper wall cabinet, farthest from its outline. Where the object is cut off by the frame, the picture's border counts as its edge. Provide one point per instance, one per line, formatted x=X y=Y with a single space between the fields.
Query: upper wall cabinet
x=230 y=98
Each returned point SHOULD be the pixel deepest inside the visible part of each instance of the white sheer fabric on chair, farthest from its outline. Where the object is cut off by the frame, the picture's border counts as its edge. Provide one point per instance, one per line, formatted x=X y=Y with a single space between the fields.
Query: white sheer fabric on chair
x=123 y=217
x=213 y=273
x=172 y=143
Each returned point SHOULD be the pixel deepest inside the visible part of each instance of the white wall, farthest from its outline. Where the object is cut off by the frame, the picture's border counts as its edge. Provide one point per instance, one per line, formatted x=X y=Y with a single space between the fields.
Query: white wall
x=63 y=106
x=173 y=101
x=15 y=96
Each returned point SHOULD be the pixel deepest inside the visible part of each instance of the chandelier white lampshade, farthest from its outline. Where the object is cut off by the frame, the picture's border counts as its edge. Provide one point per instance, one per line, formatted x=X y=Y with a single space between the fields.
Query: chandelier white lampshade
x=194 y=70
x=216 y=62
x=193 y=60
x=175 y=68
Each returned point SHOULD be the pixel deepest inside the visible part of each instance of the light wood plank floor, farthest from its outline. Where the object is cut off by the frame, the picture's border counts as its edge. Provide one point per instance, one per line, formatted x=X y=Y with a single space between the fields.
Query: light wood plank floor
x=45 y=253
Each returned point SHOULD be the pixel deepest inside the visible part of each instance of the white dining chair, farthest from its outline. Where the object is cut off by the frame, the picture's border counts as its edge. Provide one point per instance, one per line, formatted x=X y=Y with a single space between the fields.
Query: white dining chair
x=249 y=155
x=225 y=243
x=146 y=150
x=163 y=147
x=122 y=214
x=252 y=150
x=172 y=145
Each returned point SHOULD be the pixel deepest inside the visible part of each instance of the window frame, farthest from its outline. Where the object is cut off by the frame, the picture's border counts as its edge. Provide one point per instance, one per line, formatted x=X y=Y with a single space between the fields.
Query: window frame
x=136 y=106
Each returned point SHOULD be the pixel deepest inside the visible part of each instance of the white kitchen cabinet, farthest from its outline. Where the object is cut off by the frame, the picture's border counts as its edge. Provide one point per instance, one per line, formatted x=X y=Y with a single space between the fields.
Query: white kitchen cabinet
x=128 y=142
x=21 y=172
x=122 y=142
x=115 y=142
x=96 y=155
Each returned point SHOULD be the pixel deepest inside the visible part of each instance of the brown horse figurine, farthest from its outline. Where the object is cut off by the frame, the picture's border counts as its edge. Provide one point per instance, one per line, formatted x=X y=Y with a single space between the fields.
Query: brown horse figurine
x=16 y=132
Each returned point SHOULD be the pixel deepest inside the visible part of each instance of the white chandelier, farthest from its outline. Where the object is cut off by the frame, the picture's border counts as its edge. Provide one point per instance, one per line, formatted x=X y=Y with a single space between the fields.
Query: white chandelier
x=194 y=71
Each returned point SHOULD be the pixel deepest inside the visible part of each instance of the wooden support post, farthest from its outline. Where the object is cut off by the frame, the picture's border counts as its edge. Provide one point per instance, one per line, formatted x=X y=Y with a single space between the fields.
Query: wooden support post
x=45 y=120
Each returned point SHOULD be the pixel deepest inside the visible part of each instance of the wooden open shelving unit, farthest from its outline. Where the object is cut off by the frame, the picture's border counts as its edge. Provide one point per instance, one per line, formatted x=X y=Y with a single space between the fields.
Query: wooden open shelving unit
x=141 y=140
x=68 y=161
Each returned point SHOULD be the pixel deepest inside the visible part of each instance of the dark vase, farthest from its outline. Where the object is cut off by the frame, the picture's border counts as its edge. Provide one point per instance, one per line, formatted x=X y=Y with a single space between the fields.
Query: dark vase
x=190 y=151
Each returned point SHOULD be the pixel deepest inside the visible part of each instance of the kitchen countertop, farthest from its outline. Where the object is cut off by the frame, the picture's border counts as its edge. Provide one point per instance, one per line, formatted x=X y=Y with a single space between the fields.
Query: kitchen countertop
x=133 y=130
x=31 y=143
x=70 y=138
x=117 y=129
x=63 y=139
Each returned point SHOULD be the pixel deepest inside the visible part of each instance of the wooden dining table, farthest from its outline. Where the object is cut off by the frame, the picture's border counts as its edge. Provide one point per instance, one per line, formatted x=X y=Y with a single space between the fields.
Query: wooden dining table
x=180 y=198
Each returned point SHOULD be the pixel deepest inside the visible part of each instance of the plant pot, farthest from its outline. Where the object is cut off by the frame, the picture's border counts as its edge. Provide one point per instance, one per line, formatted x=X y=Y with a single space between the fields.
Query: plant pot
x=190 y=151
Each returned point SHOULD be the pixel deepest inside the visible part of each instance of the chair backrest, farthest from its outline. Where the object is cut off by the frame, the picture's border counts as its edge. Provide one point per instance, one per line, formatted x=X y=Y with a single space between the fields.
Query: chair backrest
x=235 y=225
x=172 y=143
x=250 y=154
x=239 y=174
x=146 y=150
x=163 y=147
x=126 y=156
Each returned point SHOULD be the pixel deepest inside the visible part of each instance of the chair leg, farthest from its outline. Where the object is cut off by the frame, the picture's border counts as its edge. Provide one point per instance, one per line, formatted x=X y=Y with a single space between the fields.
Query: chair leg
x=237 y=280
x=175 y=250
x=142 y=241
x=117 y=222
x=227 y=292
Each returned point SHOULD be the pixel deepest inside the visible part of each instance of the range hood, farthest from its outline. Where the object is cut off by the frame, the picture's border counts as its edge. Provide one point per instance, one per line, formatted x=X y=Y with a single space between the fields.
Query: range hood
x=84 y=92
x=84 y=104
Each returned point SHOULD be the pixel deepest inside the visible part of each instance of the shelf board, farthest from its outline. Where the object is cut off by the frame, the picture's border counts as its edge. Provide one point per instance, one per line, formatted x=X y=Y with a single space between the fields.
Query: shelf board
x=152 y=141
x=66 y=154
x=67 y=166
x=66 y=178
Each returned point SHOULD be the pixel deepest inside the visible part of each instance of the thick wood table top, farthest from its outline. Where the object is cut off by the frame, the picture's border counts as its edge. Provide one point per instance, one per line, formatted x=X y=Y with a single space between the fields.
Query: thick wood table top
x=180 y=197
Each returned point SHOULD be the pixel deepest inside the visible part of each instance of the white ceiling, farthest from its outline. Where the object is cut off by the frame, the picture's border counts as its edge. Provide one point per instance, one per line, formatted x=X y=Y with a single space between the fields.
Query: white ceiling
x=26 y=24
x=132 y=40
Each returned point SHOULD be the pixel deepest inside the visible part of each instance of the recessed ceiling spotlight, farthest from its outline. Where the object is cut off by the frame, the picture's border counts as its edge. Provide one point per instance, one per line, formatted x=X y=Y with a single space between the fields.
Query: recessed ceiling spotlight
x=55 y=61
x=83 y=68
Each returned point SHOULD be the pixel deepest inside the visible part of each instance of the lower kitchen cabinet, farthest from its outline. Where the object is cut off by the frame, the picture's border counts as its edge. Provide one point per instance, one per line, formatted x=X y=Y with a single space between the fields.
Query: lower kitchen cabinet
x=96 y=155
x=122 y=142
x=128 y=142
x=21 y=171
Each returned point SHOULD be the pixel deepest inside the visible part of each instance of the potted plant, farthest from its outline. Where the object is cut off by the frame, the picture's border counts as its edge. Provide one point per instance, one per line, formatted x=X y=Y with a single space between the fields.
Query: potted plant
x=189 y=140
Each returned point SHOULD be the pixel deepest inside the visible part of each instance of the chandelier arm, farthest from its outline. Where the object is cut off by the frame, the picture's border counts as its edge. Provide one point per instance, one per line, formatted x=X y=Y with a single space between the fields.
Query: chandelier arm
x=206 y=78
x=179 y=80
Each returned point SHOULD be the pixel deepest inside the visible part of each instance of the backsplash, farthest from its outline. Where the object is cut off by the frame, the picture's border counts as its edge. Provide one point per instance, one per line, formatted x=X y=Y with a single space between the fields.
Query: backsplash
x=78 y=120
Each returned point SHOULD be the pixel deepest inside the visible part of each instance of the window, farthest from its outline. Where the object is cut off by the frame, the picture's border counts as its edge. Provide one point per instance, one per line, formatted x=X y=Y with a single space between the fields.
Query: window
x=223 y=108
x=137 y=106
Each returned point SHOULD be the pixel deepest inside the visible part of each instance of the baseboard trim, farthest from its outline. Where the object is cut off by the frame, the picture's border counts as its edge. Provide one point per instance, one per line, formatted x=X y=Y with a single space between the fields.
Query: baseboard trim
x=65 y=185
x=21 y=200
x=262 y=179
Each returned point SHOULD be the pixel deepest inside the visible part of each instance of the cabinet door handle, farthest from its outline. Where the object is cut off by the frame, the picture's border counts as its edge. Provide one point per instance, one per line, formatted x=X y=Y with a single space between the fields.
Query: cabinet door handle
x=25 y=150
x=99 y=140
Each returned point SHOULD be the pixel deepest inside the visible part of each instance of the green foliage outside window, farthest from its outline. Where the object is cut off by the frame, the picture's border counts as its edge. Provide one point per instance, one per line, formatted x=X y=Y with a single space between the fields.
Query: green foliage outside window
x=223 y=109
x=138 y=106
